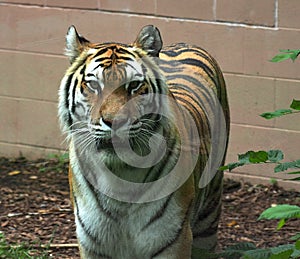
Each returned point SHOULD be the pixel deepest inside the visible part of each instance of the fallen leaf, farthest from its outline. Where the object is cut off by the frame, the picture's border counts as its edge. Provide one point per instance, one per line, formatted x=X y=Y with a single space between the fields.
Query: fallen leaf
x=43 y=211
x=232 y=223
x=4 y=224
x=14 y=173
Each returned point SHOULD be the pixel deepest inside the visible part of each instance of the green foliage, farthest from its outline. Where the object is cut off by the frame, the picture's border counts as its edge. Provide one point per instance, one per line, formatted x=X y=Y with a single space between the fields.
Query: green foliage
x=295 y=108
x=287 y=165
x=237 y=250
x=249 y=251
x=296 y=237
x=286 y=54
x=295 y=105
x=202 y=253
x=281 y=212
x=265 y=157
x=61 y=162
x=19 y=251
x=279 y=252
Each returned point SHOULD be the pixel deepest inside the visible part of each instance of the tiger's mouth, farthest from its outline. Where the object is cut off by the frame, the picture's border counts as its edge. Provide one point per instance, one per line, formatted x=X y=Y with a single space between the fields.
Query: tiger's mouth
x=132 y=137
x=110 y=143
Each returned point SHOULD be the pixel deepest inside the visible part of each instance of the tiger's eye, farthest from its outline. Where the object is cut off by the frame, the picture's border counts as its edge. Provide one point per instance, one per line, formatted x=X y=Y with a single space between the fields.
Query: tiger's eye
x=143 y=90
x=94 y=84
x=133 y=85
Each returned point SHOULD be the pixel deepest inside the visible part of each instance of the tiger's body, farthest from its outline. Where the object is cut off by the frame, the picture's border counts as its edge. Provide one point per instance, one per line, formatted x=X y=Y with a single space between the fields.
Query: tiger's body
x=164 y=227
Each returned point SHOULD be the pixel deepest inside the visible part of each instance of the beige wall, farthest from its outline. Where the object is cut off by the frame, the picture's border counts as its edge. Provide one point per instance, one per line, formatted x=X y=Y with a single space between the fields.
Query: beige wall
x=242 y=34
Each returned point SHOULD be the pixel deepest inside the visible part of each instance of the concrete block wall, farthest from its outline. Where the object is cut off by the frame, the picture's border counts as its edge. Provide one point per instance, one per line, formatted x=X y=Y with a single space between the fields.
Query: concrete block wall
x=241 y=34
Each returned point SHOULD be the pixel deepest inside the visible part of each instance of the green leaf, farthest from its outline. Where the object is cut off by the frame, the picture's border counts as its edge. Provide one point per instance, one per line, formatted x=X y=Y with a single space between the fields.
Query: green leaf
x=296 y=254
x=282 y=252
x=280 y=57
x=224 y=167
x=297 y=172
x=287 y=165
x=297 y=244
x=281 y=224
x=258 y=157
x=253 y=157
x=231 y=166
x=236 y=250
x=244 y=158
x=275 y=114
x=283 y=255
x=198 y=253
x=284 y=211
x=275 y=155
x=243 y=246
x=286 y=54
x=257 y=254
x=295 y=105
x=295 y=237
x=294 y=54
x=294 y=179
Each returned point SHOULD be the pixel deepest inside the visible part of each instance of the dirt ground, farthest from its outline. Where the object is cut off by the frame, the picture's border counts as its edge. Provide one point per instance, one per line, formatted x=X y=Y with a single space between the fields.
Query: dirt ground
x=35 y=209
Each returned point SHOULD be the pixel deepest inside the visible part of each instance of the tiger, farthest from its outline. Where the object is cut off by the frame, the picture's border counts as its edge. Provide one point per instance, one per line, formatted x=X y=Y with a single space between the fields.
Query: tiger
x=128 y=112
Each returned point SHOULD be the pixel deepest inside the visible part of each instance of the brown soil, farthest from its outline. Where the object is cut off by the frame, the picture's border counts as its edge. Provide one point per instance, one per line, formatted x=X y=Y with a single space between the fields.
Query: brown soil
x=35 y=209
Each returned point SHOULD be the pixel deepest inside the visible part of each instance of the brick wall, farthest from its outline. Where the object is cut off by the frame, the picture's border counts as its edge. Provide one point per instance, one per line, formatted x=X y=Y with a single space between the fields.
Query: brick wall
x=242 y=34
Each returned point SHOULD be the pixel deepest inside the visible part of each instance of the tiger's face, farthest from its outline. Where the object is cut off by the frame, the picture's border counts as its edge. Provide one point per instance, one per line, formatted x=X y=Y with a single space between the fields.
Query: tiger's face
x=111 y=93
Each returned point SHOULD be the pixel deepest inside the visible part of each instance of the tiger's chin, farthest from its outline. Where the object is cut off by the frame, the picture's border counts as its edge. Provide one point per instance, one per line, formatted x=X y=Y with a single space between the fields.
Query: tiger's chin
x=109 y=144
x=105 y=151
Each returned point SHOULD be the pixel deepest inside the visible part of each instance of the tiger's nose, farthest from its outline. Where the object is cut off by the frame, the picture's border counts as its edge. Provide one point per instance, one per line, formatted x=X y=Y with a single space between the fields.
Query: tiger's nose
x=116 y=122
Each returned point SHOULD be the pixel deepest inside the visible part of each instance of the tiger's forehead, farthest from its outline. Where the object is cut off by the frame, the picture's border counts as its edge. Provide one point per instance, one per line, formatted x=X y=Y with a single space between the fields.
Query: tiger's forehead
x=114 y=63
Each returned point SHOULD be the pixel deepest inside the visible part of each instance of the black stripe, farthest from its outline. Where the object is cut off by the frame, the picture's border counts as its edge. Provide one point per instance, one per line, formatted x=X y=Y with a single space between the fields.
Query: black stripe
x=191 y=61
x=171 y=69
x=158 y=169
x=102 y=59
x=205 y=93
x=199 y=119
x=207 y=232
x=173 y=63
x=144 y=69
x=68 y=119
x=82 y=70
x=126 y=58
x=177 y=49
x=73 y=95
x=170 y=243
x=86 y=231
x=99 y=65
x=211 y=206
x=172 y=53
x=159 y=213
x=199 y=63
x=210 y=229
x=195 y=112
x=101 y=51
x=67 y=89
x=124 y=51
x=104 y=211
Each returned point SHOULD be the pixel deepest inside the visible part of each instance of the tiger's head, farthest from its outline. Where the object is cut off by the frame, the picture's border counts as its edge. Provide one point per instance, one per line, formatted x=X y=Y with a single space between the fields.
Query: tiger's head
x=111 y=92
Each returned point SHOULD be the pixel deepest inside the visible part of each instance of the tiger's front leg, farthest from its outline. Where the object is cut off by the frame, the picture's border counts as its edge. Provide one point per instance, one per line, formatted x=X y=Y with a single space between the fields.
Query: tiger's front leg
x=181 y=249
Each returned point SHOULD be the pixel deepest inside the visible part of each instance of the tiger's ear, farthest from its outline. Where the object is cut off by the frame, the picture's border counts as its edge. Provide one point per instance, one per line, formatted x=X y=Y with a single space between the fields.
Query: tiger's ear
x=149 y=39
x=75 y=44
